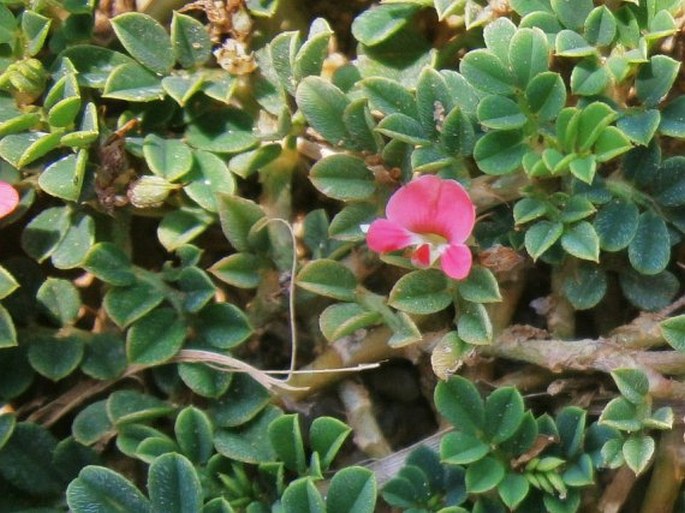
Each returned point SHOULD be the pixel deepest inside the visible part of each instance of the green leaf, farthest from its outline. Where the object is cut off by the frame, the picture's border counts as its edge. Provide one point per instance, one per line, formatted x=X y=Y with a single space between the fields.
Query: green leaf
x=238 y=216
x=673 y=330
x=360 y=125
x=655 y=79
x=223 y=325
x=480 y=286
x=432 y=95
x=638 y=451
x=473 y=324
x=203 y=380
x=310 y=57
x=673 y=118
x=571 y=44
x=541 y=236
x=588 y=78
x=669 y=183
x=378 y=24
x=523 y=7
x=328 y=278
x=228 y=130
x=301 y=496
x=110 y=264
x=94 y=64
x=197 y=288
x=23 y=461
x=616 y=224
x=572 y=13
x=101 y=490
x=342 y=319
x=8 y=334
x=500 y=113
x=571 y=425
x=346 y=224
x=237 y=270
x=250 y=443
x=8 y=283
x=286 y=440
x=35 y=28
x=60 y=300
x=621 y=414
x=581 y=473
x=529 y=209
x=592 y=121
x=168 y=158
x=528 y=55
x=22 y=149
x=352 y=490
x=179 y=227
x=661 y=419
x=323 y=105
x=632 y=383
x=421 y=292
x=326 y=437
x=513 y=489
x=485 y=72
x=649 y=292
x=129 y=406
x=640 y=126
x=7 y=424
x=459 y=401
x=581 y=241
x=127 y=304
x=182 y=87
x=457 y=134
x=243 y=402
x=403 y=128
x=404 y=330
x=498 y=36
x=611 y=143
x=133 y=83
x=389 y=97
x=55 y=356
x=504 y=414
x=80 y=236
x=45 y=231
x=460 y=448
x=600 y=26
x=585 y=286
x=190 y=40
x=484 y=475
x=174 y=485
x=546 y=95
x=64 y=177
x=650 y=250
x=343 y=177
x=105 y=356
x=146 y=40
x=584 y=168
x=500 y=152
x=155 y=337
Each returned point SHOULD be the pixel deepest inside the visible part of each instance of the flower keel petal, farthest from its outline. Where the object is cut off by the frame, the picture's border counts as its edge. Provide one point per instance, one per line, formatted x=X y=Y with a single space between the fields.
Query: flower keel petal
x=456 y=261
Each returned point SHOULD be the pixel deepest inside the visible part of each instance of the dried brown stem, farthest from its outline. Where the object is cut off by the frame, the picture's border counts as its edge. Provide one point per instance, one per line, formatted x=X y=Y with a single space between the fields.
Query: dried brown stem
x=618 y=490
x=359 y=410
x=668 y=473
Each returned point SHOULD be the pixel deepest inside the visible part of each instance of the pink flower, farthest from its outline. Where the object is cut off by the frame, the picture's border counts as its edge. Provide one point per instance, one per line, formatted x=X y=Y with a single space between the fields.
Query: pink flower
x=433 y=214
x=9 y=199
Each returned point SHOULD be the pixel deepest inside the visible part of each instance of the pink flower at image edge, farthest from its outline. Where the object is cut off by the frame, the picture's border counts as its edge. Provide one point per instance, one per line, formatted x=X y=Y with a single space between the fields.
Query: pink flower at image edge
x=9 y=199
x=436 y=216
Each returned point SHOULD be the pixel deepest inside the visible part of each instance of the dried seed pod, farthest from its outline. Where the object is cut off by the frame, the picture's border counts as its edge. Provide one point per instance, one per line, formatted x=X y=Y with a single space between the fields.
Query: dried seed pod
x=150 y=191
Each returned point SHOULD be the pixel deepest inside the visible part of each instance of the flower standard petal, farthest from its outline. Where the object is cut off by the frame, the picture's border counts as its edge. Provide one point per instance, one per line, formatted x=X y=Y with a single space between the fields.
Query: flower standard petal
x=9 y=198
x=431 y=204
x=456 y=261
x=384 y=236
